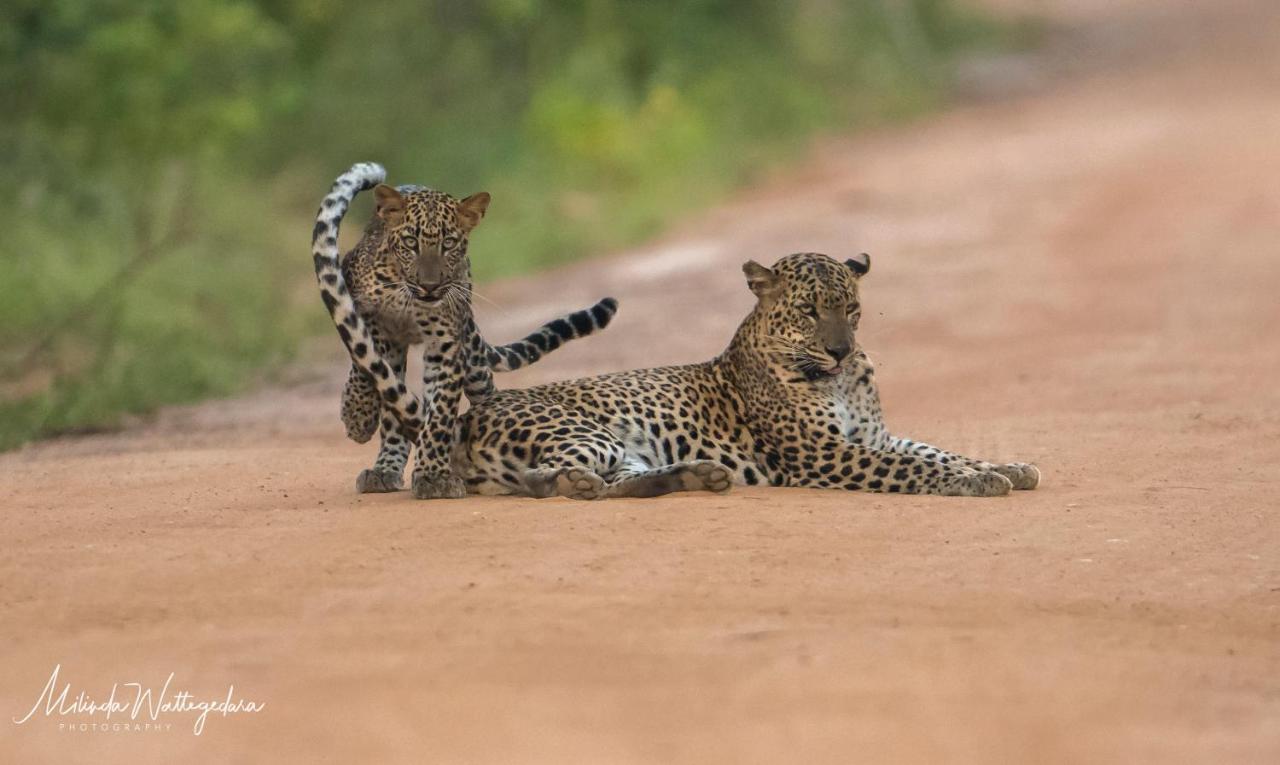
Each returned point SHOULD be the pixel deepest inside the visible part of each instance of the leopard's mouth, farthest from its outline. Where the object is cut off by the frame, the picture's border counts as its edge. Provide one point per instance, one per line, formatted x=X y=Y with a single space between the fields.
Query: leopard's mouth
x=433 y=295
x=843 y=365
x=815 y=373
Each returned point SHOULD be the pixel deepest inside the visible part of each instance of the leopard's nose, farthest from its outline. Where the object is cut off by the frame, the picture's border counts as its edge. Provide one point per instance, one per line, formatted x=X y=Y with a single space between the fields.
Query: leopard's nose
x=430 y=273
x=432 y=291
x=838 y=352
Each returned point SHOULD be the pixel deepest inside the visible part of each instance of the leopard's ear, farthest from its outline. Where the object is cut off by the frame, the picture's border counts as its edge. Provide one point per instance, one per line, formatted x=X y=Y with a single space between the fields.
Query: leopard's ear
x=762 y=281
x=859 y=265
x=390 y=204
x=471 y=210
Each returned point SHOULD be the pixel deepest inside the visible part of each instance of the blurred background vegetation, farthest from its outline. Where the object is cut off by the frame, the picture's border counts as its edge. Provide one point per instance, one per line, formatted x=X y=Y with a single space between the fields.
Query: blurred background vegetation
x=166 y=157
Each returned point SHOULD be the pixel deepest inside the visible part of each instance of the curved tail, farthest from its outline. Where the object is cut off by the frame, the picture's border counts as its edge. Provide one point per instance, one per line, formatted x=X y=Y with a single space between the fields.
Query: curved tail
x=337 y=298
x=550 y=336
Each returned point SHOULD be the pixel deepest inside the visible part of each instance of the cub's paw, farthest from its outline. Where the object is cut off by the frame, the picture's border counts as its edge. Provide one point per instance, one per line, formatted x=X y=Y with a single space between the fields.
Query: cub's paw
x=360 y=409
x=706 y=475
x=437 y=486
x=977 y=484
x=1023 y=475
x=579 y=483
x=374 y=481
x=360 y=430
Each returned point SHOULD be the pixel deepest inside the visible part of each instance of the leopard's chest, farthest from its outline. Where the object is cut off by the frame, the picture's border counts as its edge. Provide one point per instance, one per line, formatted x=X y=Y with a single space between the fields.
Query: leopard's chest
x=858 y=422
x=406 y=323
x=399 y=329
x=856 y=405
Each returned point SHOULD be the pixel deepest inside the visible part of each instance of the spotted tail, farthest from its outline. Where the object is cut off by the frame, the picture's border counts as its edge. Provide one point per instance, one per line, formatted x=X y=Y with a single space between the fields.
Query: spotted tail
x=337 y=298
x=551 y=336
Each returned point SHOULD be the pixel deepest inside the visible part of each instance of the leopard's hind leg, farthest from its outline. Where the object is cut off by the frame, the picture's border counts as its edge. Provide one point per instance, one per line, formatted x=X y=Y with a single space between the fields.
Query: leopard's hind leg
x=700 y=475
x=575 y=457
x=575 y=469
x=582 y=474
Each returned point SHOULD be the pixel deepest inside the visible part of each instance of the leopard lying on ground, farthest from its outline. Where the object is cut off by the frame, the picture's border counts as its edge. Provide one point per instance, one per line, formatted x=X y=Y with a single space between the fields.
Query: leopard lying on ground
x=408 y=282
x=791 y=402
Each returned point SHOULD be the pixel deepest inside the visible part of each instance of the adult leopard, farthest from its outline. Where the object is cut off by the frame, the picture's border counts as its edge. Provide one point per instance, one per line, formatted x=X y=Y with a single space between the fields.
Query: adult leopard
x=408 y=282
x=791 y=402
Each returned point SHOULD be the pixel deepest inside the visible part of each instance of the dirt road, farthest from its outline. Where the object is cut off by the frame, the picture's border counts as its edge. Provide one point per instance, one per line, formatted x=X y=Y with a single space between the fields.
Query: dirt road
x=1080 y=269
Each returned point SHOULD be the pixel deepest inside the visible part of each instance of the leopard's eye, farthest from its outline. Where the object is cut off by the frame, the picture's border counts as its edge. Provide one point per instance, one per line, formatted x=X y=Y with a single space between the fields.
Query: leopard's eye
x=450 y=242
x=808 y=309
x=410 y=241
x=851 y=309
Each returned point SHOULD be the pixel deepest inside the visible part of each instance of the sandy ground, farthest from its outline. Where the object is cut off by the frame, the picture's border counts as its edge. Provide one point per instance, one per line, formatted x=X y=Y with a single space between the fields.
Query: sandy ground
x=1077 y=267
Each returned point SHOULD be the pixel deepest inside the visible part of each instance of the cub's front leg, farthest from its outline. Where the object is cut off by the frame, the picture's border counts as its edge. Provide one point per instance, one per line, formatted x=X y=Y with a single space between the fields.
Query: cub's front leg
x=442 y=382
x=387 y=472
x=477 y=373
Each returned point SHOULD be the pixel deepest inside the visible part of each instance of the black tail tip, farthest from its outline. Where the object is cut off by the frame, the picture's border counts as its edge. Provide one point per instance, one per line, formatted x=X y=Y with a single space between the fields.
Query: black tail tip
x=602 y=312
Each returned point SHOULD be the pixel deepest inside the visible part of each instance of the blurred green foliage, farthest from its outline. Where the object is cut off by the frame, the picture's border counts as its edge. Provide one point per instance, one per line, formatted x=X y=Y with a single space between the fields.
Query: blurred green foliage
x=167 y=156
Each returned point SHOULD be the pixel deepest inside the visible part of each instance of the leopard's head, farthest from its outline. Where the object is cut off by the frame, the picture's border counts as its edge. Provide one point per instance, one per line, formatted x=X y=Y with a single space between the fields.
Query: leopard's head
x=807 y=311
x=425 y=241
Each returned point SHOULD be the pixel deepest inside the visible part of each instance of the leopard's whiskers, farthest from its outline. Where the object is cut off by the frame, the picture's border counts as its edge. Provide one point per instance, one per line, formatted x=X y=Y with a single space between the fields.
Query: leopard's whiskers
x=801 y=359
x=500 y=309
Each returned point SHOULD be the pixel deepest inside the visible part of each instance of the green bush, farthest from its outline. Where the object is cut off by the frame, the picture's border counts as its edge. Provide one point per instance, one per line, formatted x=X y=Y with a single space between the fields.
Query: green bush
x=169 y=155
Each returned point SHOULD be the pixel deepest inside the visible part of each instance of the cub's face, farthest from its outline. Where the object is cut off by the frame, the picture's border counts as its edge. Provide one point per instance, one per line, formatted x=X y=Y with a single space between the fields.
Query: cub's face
x=426 y=238
x=810 y=309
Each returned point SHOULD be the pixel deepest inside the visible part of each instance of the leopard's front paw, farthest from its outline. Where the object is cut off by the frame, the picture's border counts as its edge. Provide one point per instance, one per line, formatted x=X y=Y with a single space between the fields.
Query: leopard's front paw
x=437 y=486
x=1023 y=475
x=375 y=481
x=977 y=484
